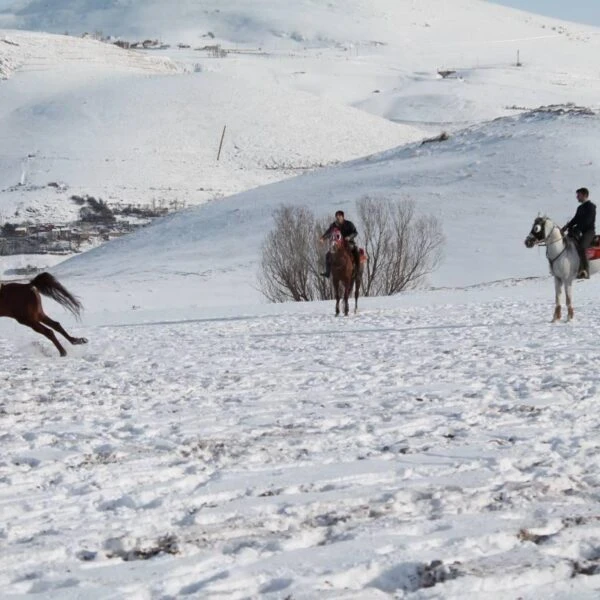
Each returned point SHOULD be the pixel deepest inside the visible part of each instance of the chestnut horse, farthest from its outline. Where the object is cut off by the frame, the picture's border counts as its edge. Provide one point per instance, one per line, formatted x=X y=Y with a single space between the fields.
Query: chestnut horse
x=21 y=301
x=344 y=272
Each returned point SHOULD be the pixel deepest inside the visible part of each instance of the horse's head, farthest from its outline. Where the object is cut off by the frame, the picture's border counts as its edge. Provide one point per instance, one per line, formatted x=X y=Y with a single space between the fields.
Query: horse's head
x=336 y=240
x=542 y=228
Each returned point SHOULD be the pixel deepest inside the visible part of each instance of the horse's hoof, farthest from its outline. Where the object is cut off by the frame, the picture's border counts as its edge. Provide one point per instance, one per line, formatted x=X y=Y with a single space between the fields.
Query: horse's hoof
x=81 y=341
x=63 y=353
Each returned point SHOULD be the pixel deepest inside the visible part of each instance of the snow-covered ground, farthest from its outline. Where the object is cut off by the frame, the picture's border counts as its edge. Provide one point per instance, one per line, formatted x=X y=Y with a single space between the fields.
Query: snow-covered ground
x=204 y=444
x=441 y=439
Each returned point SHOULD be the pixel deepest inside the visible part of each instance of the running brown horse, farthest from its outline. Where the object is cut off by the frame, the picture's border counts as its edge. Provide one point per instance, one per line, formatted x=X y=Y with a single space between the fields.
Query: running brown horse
x=22 y=301
x=344 y=272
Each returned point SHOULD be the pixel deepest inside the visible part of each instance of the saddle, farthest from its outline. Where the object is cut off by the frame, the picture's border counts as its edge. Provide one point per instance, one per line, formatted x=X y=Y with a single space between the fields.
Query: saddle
x=592 y=252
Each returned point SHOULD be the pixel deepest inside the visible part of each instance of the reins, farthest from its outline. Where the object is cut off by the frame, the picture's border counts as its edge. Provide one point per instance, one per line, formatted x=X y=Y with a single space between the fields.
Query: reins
x=547 y=245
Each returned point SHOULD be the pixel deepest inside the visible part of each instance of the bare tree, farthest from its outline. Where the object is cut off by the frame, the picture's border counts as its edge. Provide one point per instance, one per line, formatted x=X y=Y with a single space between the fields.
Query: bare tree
x=403 y=248
x=323 y=287
x=291 y=258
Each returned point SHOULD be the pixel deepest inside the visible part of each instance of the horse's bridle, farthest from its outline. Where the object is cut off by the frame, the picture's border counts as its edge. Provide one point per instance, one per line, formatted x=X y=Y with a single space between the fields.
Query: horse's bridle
x=547 y=245
x=562 y=237
x=336 y=239
x=541 y=222
x=544 y=242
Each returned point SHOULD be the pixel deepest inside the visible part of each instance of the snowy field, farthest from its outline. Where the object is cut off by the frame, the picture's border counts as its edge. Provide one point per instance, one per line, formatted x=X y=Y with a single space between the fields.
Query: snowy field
x=442 y=444
x=439 y=445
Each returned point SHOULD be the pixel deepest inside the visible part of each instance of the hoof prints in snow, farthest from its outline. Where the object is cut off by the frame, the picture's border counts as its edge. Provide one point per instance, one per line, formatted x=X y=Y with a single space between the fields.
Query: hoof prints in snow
x=240 y=459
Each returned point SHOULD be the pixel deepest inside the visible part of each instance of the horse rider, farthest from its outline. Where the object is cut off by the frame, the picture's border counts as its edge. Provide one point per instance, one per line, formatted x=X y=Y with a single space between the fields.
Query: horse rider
x=349 y=233
x=582 y=229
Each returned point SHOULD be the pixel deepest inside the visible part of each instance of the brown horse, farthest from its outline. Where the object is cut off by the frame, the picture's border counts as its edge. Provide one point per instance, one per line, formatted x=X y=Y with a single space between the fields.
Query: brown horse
x=344 y=272
x=22 y=301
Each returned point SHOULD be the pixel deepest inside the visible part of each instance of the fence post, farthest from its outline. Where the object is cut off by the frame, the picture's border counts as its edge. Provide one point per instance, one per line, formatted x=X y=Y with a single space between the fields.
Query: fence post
x=221 y=144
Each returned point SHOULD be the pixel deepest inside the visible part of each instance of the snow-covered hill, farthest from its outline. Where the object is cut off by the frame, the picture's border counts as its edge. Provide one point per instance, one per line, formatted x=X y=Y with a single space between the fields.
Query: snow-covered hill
x=110 y=123
x=114 y=130
x=263 y=21
x=486 y=184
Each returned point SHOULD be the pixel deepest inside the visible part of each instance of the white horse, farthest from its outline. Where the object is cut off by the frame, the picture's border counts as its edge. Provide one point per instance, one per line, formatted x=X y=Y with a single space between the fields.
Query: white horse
x=562 y=256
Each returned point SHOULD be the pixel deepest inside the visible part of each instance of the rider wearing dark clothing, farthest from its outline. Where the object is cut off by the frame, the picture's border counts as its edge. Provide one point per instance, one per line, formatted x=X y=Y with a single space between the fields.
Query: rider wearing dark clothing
x=347 y=229
x=582 y=228
x=349 y=233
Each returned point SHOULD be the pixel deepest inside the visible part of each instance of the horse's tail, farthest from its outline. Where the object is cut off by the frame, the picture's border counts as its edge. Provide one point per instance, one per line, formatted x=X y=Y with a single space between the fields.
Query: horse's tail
x=47 y=285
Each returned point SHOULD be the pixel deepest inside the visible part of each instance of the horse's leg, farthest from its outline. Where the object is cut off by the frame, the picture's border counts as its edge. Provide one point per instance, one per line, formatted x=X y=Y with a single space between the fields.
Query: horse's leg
x=347 y=290
x=557 y=293
x=36 y=326
x=46 y=320
x=336 y=291
x=569 y=295
x=357 y=290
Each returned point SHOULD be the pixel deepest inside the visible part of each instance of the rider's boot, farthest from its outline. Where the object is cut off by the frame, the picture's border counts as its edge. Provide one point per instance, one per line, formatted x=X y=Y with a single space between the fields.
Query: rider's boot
x=584 y=266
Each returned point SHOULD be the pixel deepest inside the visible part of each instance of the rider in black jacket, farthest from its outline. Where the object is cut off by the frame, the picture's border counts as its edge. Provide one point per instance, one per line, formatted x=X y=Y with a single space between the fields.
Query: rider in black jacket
x=582 y=228
x=349 y=233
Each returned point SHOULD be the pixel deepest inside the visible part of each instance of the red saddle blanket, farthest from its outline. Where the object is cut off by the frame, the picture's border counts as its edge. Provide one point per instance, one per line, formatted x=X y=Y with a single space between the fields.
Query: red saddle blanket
x=593 y=253
x=364 y=258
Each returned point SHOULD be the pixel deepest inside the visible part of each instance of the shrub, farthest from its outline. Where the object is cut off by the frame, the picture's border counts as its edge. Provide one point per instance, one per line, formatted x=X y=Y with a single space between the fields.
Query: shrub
x=403 y=249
